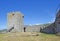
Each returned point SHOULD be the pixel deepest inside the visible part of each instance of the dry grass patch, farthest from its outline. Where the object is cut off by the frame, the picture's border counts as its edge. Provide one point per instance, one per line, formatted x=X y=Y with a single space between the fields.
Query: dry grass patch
x=28 y=37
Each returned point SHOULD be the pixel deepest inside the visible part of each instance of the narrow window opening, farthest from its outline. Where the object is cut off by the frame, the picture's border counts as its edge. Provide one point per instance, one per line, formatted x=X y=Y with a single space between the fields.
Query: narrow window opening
x=23 y=16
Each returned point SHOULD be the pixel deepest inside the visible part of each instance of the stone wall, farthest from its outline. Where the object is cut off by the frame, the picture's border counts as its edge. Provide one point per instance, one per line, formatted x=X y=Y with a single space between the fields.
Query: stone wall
x=49 y=29
x=33 y=28
x=15 y=20
x=57 y=22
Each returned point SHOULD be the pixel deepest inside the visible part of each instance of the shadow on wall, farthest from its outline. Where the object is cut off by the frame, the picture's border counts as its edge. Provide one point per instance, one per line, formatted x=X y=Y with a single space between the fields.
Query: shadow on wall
x=49 y=29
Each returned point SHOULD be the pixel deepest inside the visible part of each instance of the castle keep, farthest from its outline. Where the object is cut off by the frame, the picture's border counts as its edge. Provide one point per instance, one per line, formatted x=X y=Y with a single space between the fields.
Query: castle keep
x=15 y=22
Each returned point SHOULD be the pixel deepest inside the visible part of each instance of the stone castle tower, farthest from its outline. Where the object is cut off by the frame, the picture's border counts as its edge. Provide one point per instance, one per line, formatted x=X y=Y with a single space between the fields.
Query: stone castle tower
x=57 y=22
x=15 y=22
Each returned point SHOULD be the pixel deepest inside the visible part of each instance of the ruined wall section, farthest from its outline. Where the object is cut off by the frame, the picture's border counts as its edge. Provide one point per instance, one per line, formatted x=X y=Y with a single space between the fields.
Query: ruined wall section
x=57 y=22
x=33 y=28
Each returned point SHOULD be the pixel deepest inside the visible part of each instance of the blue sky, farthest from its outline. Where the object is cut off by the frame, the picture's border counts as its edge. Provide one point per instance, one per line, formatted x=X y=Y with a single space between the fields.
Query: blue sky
x=35 y=11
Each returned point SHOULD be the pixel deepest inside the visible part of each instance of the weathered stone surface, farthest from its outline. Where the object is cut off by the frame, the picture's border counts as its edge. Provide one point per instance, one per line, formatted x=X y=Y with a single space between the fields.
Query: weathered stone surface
x=34 y=28
x=49 y=29
x=57 y=22
x=15 y=21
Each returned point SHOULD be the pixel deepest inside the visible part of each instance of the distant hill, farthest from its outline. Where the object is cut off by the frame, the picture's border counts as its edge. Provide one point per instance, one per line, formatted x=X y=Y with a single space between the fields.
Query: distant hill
x=4 y=30
x=46 y=24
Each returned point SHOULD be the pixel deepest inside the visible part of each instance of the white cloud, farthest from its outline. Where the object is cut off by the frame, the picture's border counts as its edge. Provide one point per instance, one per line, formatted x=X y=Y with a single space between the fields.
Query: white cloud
x=37 y=24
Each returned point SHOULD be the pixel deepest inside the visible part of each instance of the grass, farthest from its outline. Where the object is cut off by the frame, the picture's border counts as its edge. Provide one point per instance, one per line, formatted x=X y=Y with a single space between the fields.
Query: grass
x=28 y=37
